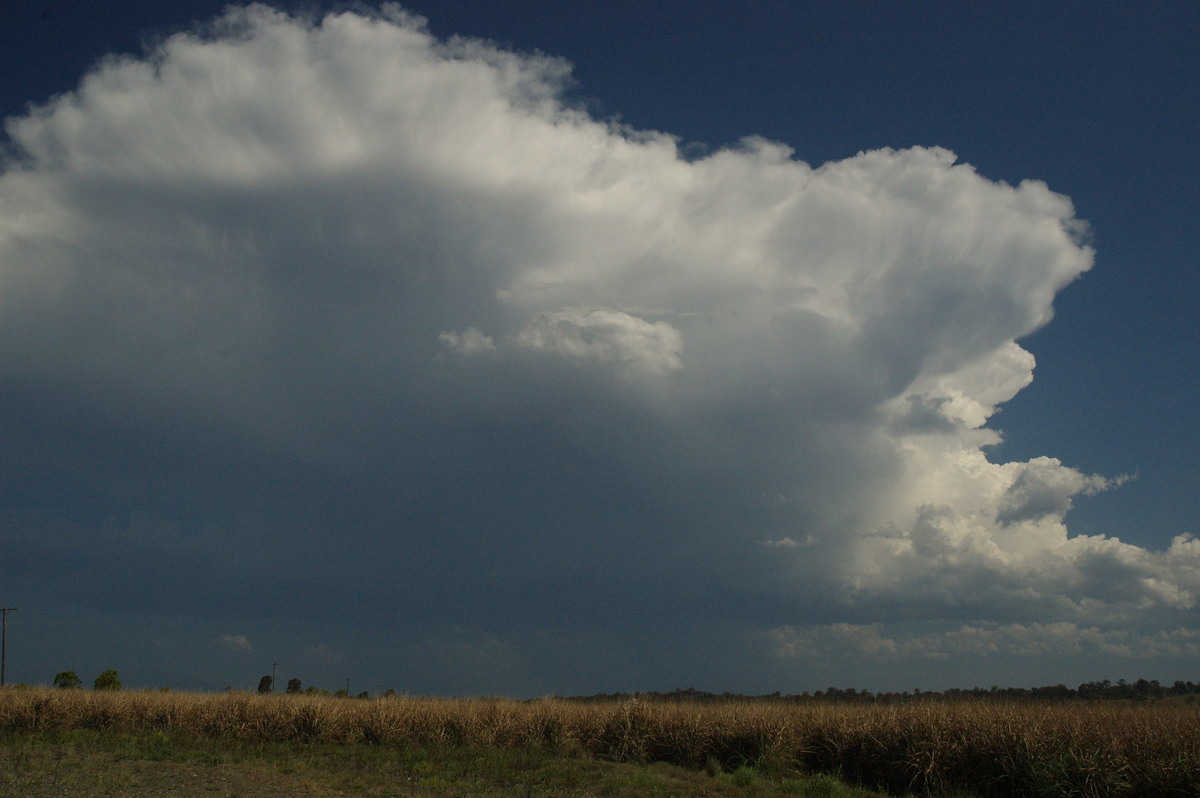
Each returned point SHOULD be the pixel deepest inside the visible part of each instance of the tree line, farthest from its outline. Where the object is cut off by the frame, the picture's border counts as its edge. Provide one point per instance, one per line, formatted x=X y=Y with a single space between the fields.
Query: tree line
x=1141 y=689
x=111 y=680
x=69 y=680
x=266 y=686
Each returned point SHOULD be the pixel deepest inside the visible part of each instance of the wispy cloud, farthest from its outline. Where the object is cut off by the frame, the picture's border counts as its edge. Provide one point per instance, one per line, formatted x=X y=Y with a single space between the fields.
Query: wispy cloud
x=323 y=654
x=1019 y=640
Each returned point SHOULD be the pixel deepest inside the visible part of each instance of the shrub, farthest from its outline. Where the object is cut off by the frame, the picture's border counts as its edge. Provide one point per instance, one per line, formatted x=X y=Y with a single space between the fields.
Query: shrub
x=67 y=680
x=109 y=680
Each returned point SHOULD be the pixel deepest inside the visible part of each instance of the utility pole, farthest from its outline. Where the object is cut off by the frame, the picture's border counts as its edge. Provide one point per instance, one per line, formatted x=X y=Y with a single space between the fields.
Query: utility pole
x=4 y=611
x=274 y=665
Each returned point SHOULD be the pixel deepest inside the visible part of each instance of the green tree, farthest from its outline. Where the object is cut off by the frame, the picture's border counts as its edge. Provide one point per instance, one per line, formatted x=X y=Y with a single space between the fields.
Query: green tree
x=67 y=680
x=109 y=680
x=265 y=684
x=293 y=686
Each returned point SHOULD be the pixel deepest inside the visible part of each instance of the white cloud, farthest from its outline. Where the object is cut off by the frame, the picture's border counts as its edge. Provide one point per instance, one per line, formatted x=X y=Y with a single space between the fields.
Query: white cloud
x=994 y=538
x=787 y=543
x=605 y=335
x=237 y=643
x=468 y=342
x=270 y=242
x=1042 y=488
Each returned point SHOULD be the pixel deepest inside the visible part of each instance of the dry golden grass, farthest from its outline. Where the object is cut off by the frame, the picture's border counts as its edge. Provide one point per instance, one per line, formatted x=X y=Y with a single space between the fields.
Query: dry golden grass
x=1067 y=748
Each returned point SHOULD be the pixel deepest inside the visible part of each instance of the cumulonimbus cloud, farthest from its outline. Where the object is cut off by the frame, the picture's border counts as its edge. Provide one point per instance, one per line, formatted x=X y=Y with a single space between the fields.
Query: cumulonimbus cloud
x=319 y=236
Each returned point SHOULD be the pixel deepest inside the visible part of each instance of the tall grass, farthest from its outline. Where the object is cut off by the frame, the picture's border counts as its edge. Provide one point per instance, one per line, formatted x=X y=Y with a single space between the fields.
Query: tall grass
x=989 y=749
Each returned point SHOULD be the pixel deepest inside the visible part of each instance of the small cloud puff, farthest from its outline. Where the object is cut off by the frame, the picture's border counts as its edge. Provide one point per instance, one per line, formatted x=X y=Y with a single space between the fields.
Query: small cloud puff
x=237 y=643
x=606 y=335
x=788 y=543
x=468 y=342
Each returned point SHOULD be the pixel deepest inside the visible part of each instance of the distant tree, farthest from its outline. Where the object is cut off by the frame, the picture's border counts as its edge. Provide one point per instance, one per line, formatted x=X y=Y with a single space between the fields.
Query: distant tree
x=67 y=680
x=109 y=680
x=1056 y=691
x=293 y=686
x=265 y=684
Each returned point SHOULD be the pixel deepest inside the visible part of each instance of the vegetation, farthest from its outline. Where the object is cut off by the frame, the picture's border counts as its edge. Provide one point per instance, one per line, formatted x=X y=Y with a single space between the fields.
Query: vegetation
x=67 y=680
x=46 y=765
x=1140 y=690
x=964 y=747
x=109 y=680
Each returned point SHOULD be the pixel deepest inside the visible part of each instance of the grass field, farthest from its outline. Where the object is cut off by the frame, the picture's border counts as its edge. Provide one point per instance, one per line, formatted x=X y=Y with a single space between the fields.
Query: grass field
x=72 y=742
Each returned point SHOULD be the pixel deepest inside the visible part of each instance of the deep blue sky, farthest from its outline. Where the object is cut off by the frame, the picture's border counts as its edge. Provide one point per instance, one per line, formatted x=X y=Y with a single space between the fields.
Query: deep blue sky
x=1098 y=100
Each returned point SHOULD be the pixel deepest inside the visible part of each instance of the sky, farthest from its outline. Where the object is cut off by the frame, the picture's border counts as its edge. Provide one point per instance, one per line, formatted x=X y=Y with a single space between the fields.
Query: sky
x=469 y=349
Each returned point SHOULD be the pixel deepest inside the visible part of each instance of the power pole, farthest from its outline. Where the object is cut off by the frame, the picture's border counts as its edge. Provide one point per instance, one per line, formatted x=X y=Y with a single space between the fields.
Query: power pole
x=4 y=611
